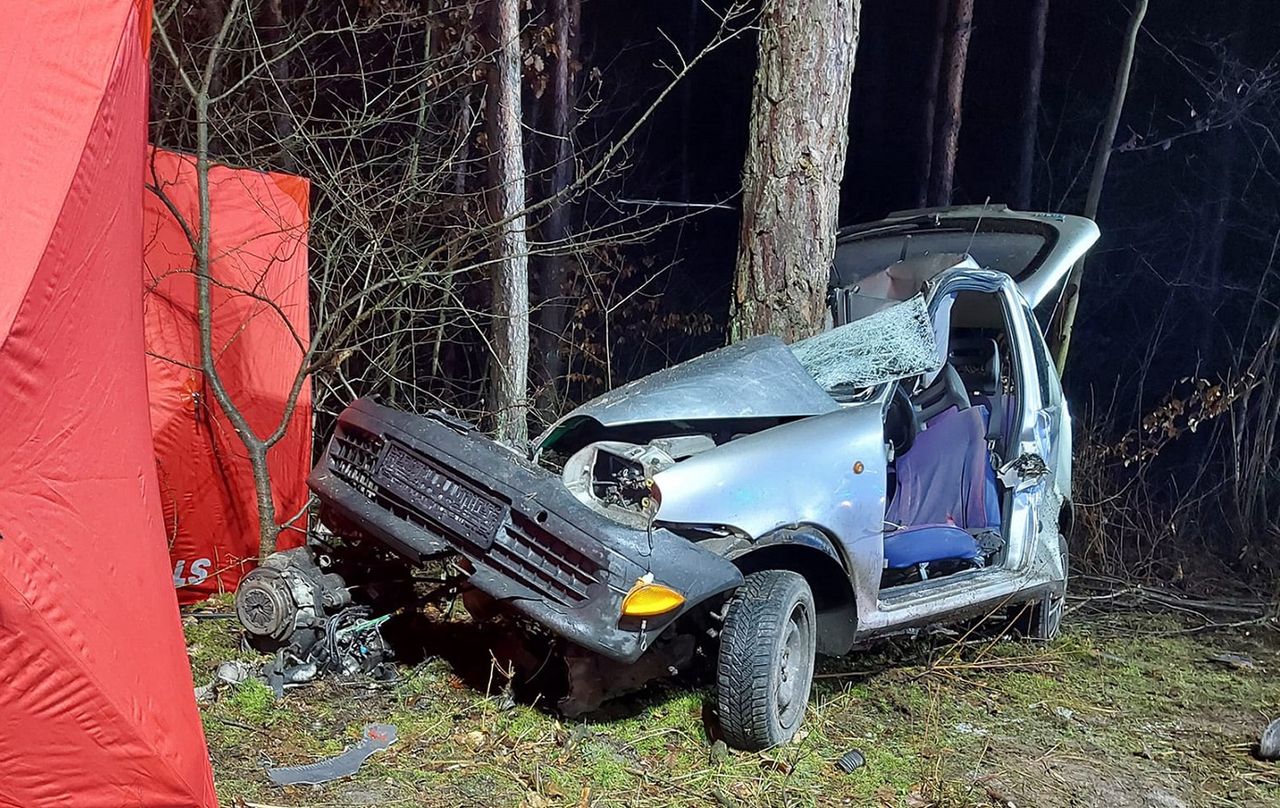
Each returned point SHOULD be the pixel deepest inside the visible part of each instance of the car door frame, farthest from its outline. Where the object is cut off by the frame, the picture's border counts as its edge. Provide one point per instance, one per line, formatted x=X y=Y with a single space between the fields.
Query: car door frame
x=979 y=590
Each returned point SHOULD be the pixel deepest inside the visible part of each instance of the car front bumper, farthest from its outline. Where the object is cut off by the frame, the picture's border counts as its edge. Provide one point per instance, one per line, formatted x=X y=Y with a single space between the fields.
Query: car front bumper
x=427 y=486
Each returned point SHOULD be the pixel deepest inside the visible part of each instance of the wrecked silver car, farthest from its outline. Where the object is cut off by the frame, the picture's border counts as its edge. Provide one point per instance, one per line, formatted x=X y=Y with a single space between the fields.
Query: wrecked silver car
x=764 y=502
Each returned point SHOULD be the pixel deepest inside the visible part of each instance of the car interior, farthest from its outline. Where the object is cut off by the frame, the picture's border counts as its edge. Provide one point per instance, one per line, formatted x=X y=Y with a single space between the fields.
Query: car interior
x=947 y=433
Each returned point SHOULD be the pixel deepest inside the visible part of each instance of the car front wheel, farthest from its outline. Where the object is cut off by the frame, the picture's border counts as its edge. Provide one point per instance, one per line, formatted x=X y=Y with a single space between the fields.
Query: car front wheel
x=765 y=667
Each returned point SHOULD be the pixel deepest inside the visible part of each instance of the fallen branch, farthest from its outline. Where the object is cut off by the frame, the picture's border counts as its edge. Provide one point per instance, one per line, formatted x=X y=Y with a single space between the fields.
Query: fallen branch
x=1157 y=598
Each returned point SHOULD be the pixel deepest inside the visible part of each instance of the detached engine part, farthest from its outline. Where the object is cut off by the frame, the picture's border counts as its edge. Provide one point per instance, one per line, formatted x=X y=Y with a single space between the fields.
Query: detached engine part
x=291 y=607
x=286 y=595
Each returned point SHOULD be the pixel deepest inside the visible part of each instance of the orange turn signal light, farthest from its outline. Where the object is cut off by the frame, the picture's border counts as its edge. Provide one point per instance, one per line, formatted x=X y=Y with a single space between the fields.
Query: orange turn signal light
x=647 y=599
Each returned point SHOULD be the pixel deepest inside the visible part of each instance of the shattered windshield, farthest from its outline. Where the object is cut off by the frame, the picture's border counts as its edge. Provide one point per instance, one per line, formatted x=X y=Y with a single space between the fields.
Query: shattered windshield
x=895 y=342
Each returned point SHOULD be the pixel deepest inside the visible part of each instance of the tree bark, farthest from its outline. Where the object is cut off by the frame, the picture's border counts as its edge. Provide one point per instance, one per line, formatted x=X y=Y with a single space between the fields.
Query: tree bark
x=798 y=135
x=553 y=312
x=955 y=58
x=929 y=105
x=942 y=166
x=1106 y=143
x=1030 y=117
x=510 y=339
x=276 y=48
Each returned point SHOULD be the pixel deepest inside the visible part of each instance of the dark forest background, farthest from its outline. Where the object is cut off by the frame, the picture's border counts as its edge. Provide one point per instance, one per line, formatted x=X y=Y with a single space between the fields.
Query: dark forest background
x=1175 y=346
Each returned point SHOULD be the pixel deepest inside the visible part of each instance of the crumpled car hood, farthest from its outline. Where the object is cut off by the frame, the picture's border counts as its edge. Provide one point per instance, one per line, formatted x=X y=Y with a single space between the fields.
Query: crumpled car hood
x=755 y=378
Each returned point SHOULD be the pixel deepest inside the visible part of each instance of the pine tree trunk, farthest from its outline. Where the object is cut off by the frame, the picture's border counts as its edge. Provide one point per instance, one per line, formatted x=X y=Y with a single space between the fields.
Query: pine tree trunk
x=956 y=57
x=1021 y=198
x=1106 y=143
x=929 y=100
x=553 y=312
x=798 y=135
x=510 y=339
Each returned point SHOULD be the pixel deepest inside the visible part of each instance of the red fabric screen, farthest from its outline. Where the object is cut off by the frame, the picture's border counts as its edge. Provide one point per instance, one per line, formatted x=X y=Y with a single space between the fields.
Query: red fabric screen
x=96 y=703
x=258 y=236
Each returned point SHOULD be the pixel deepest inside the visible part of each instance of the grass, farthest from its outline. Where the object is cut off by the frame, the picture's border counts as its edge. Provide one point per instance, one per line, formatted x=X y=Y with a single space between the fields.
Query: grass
x=1120 y=711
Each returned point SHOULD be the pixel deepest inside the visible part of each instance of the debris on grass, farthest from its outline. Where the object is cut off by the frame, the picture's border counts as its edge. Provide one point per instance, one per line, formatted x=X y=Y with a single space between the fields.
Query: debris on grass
x=719 y=751
x=1237 y=661
x=232 y=672
x=374 y=738
x=851 y=761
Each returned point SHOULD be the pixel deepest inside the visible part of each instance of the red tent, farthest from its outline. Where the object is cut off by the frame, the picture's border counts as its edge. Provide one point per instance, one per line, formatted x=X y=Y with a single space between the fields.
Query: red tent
x=96 y=705
x=258 y=247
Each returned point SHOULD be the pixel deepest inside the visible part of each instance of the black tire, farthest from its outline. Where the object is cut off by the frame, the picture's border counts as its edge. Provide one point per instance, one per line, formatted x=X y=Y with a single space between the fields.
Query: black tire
x=1045 y=618
x=765 y=667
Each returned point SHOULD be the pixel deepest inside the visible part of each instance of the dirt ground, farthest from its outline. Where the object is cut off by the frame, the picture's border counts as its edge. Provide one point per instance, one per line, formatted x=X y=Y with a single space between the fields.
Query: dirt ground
x=1126 y=710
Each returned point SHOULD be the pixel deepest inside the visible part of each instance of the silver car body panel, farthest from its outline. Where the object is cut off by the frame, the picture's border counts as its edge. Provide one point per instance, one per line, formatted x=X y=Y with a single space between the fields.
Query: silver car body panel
x=1076 y=235
x=750 y=379
x=827 y=472
x=755 y=378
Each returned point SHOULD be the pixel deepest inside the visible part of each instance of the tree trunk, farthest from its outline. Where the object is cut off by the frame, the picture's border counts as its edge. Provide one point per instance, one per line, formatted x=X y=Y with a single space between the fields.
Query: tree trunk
x=510 y=339
x=201 y=247
x=943 y=165
x=553 y=312
x=274 y=35
x=798 y=135
x=1071 y=294
x=1030 y=118
x=929 y=106
x=268 y=527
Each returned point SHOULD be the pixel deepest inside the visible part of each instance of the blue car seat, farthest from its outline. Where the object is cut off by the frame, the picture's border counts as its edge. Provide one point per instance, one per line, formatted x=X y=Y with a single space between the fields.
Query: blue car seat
x=946 y=493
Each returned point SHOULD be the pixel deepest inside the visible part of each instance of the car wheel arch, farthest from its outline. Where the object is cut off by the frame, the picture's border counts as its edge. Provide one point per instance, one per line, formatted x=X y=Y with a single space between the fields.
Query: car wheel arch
x=1067 y=516
x=810 y=552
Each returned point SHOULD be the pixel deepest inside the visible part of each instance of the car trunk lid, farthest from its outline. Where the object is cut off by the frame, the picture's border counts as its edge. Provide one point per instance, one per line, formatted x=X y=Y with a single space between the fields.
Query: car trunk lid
x=1036 y=249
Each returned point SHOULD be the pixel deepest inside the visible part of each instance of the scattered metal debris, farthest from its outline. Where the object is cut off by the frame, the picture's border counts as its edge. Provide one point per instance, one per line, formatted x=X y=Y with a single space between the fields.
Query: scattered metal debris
x=1232 y=660
x=1269 y=745
x=374 y=737
x=228 y=673
x=851 y=761
x=350 y=642
x=965 y=728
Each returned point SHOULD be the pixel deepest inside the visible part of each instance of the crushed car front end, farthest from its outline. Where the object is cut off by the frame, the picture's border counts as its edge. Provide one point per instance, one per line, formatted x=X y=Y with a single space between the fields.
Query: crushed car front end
x=432 y=486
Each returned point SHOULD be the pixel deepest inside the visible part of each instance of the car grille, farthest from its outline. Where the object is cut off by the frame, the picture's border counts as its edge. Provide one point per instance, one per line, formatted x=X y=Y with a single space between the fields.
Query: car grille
x=452 y=505
x=352 y=458
x=540 y=560
x=522 y=549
